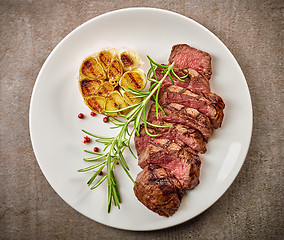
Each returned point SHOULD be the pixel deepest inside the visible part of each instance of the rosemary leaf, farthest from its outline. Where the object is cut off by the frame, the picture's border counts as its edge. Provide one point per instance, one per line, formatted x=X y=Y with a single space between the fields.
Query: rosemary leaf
x=153 y=80
x=96 y=136
x=154 y=125
x=162 y=110
x=95 y=175
x=91 y=167
x=107 y=145
x=126 y=171
x=99 y=182
x=109 y=196
x=131 y=151
x=102 y=141
x=96 y=153
x=136 y=92
x=179 y=78
x=122 y=161
x=147 y=132
x=157 y=64
x=172 y=80
x=95 y=158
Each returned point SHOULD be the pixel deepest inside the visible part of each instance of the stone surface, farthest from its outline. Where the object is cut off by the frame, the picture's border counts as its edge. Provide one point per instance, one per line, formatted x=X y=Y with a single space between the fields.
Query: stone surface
x=252 y=208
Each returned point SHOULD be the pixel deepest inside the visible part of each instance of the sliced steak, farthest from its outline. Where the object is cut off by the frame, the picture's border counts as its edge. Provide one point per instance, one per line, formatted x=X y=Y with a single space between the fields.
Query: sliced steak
x=188 y=136
x=210 y=104
x=177 y=113
x=185 y=56
x=158 y=190
x=195 y=81
x=174 y=156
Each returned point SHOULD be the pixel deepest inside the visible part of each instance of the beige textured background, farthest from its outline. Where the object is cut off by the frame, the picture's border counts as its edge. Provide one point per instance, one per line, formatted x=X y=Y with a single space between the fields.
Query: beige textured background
x=252 y=208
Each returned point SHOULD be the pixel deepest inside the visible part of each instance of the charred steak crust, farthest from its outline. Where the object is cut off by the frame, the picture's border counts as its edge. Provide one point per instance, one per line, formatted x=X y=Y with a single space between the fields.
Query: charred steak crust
x=173 y=131
x=195 y=81
x=158 y=190
x=185 y=56
x=210 y=104
x=174 y=156
x=177 y=113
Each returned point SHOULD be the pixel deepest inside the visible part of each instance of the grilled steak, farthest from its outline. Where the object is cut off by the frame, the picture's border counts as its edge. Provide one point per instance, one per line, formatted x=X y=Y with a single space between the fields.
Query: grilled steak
x=177 y=113
x=174 y=156
x=195 y=81
x=188 y=111
x=158 y=190
x=209 y=104
x=185 y=56
x=188 y=136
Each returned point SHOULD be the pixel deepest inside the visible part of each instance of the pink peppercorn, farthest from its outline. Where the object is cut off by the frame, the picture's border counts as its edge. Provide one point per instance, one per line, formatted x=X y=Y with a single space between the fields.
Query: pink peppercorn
x=96 y=149
x=86 y=139
x=93 y=114
x=80 y=115
x=105 y=119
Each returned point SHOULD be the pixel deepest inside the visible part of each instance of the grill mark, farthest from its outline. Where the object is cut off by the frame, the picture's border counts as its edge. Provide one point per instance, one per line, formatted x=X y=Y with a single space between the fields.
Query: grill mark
x=200 y=96
x=153 y=166
x=172 y=133
x=164 y=147
x=182 y=91
x=180 y=144
x=114 y=69
x=85 y=86
x=177 y=190
x=213 y=110
x=151 y=141
x=167 y=144
x=198 y=116
x=95 y=103
x=190 y=130
x=126 y=60
x=85 y=82
x=133 y=80
x=105 y=60
x=196 y=160
x=201 y=123
x=194 y=119
x=171 y=108
x=166 y=185
x=88 y=66
x=87 y=63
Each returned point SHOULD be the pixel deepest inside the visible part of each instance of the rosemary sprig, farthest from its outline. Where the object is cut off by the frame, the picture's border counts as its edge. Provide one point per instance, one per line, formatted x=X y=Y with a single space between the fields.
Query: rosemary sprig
x=115 y=146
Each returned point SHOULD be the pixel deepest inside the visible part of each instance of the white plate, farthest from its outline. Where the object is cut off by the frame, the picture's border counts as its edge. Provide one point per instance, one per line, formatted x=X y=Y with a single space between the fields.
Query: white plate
x=56 y=130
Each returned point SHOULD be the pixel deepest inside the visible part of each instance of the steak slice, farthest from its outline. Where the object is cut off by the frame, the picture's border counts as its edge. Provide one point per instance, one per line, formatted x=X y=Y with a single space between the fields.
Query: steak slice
x=188 y=136
x=174 y=156
x=210 y=104
x=158 y=190
x=195 y=81
x=185 y=56
x=177 y=113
